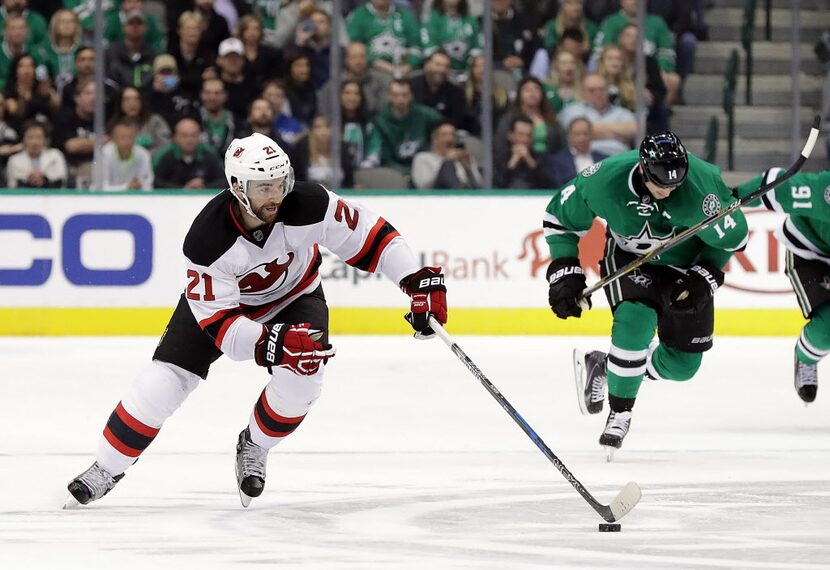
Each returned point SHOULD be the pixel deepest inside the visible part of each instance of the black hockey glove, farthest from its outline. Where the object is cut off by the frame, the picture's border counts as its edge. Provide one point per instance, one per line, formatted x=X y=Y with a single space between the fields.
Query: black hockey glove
x=567 y=281
x=693 y=290
x=428 y=296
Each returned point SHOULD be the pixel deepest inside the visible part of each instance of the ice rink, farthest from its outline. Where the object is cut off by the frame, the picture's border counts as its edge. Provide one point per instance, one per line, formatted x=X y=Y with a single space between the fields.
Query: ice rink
x=407 y=462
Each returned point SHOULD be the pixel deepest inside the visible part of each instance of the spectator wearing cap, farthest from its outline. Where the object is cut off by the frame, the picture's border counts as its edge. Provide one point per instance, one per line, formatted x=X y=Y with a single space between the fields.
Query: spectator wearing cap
x=187 y=163
x=218 y=125
x=577 y=155
x=85 y=69
x=193 y=57
x=373 y=83
x=74 y=133
x=36 y=23
x=165 y=94
x=434 y=89
x=37 y=165
x=116 y=20
x=129 y=61
x=261 y=60
x=241 y=87
x=127 y=166
x=215 y=27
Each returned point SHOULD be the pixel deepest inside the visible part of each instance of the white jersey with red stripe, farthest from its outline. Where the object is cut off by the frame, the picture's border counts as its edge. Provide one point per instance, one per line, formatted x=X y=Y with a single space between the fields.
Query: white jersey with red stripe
x=238 y=279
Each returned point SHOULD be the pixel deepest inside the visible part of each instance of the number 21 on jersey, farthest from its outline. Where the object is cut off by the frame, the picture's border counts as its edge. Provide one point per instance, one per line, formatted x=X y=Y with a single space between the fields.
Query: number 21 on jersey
x=195 y=278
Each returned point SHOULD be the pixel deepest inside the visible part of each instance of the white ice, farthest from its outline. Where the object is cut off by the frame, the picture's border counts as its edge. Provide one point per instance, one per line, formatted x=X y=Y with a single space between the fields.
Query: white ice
x=407 y=462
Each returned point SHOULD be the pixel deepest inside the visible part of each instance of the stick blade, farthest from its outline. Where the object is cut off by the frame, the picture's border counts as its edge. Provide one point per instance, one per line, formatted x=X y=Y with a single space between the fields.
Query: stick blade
x=625 y=500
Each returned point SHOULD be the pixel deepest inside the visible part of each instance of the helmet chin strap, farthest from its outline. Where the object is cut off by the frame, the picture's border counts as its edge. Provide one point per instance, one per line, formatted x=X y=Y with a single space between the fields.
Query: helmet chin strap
x=243 y=198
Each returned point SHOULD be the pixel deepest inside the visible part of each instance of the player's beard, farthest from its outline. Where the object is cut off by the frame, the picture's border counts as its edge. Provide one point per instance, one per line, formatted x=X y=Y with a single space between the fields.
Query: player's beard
x=266 y=214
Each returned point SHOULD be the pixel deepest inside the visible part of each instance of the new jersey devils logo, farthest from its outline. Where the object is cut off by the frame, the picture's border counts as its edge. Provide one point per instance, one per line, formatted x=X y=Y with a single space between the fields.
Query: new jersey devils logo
x=265 y=277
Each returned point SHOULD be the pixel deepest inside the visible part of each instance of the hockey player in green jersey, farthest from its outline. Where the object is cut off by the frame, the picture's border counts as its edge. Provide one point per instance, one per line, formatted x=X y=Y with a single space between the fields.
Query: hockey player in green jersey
x=646 y=198
x=805 y=232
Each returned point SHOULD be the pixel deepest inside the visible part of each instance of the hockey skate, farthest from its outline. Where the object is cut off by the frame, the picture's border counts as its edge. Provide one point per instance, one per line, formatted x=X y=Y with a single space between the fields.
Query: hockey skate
x=616 y=428
x=806 y=380
x=90 y=486
x=591 y=378
x=250 y=467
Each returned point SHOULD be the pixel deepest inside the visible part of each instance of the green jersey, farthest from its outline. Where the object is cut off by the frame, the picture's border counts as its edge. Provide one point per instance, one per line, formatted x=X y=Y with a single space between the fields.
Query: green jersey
x=394 y=141
x=38 y=32
x=659 y=41
x=114 y=30
x=805 y=198
x=459 y=36
x=395 y=38
x=613 y=190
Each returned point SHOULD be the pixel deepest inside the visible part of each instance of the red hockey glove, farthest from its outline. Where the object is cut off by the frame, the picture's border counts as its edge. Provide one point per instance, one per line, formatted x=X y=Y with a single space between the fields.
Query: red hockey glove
x=294 y=347
x=428 y=296
x=567 y=281
x=693 y=290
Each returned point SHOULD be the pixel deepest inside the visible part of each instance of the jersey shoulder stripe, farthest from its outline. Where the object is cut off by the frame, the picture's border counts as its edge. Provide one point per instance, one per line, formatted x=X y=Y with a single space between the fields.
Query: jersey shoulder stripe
x=305 y=205
x=212 y=233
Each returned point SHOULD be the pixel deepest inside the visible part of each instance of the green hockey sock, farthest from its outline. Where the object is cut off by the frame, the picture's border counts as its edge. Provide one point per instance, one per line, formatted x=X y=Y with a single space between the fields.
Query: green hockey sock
x=814 y=342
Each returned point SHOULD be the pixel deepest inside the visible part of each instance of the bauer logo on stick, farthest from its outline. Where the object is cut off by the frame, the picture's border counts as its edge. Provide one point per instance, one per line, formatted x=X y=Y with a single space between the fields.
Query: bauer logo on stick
x=711 y=205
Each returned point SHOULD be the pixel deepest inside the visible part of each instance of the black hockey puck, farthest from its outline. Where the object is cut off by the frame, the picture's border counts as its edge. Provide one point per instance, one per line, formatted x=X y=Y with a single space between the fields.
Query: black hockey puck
x=609 y=527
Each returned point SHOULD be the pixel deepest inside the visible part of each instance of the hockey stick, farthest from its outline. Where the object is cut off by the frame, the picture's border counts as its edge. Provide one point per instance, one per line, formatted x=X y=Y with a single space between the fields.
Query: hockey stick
x=695 y=229
x=625 y=500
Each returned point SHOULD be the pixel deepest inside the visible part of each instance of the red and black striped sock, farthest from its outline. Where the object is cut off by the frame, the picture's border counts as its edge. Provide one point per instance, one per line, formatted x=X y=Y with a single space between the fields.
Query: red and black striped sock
x=271 y=424
x=126 y=434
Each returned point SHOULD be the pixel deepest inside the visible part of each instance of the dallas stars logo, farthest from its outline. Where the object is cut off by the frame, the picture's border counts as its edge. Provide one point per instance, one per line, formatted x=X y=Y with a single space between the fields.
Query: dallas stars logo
x=643 y=242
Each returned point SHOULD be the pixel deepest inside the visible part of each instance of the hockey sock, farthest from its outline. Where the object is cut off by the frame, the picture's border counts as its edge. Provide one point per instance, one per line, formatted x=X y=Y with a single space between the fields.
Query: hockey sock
x=814 y=342
x=283 y=405
x=620 y=404
x=633 y=329
x=156 y=393
x=125 y=438
x=672 y=364
x=268 y=427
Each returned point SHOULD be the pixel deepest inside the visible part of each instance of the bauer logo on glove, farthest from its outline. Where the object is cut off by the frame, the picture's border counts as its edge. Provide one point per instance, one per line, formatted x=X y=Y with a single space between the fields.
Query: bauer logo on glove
x=428 y=296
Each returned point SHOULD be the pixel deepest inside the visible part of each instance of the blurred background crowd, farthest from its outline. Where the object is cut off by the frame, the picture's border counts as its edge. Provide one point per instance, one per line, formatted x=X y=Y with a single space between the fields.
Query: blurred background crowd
x=183 y=78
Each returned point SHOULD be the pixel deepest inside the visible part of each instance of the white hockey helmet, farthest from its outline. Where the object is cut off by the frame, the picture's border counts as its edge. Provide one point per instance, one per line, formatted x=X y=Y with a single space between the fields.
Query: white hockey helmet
x=256 y=157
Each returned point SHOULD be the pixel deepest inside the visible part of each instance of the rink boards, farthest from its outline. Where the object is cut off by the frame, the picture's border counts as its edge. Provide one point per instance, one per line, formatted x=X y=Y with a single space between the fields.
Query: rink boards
x=81 y=263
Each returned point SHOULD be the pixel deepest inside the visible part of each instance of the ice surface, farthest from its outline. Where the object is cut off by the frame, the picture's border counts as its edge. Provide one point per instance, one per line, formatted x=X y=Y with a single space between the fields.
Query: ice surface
x=407 y=462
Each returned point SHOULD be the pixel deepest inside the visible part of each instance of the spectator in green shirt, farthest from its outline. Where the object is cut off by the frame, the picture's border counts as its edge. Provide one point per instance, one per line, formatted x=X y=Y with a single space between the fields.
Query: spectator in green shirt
x=400 y=130
x=36 y=22
x=115 y=20
x=392 y=36
x=658 y=41
x=57 y=53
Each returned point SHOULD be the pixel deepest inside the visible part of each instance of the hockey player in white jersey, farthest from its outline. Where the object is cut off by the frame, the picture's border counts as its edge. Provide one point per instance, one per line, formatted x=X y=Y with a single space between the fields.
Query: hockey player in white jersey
x=254 y=293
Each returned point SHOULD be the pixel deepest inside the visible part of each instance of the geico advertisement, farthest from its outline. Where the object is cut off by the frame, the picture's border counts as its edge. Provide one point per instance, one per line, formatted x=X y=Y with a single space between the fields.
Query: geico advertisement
x=125 y=251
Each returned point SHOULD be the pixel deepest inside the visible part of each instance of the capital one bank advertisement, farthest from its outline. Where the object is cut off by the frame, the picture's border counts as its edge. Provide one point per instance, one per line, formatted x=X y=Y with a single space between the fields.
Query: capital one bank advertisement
x=124 y=251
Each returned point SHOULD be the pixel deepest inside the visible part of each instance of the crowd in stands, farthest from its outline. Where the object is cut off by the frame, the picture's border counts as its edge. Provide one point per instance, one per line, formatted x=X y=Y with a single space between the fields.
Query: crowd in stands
x=185 y=77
